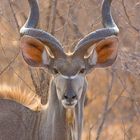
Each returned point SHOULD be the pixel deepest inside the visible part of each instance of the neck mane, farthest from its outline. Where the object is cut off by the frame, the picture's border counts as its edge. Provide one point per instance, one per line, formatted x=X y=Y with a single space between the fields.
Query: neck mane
x=53 y=120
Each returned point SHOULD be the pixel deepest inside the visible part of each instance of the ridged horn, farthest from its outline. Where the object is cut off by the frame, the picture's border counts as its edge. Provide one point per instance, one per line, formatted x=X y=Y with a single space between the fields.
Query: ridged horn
x=110 y=29
x=48 y=39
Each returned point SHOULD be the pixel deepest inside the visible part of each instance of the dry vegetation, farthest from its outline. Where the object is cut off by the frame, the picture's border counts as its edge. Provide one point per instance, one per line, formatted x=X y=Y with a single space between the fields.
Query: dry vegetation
x=112 y=109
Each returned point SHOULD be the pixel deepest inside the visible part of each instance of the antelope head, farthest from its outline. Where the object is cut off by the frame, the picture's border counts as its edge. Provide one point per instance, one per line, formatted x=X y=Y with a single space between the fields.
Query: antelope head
x=96 y=50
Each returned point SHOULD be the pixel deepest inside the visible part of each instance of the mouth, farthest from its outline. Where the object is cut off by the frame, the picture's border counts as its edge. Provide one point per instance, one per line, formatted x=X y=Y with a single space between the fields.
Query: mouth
x=69 y=104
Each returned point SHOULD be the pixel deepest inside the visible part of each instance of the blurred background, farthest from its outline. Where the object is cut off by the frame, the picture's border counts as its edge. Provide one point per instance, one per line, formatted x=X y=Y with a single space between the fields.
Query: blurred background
x=112 y=108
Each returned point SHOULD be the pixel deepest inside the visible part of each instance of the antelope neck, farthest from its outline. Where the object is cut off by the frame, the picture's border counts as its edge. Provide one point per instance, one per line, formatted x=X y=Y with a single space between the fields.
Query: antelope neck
x=60 y=123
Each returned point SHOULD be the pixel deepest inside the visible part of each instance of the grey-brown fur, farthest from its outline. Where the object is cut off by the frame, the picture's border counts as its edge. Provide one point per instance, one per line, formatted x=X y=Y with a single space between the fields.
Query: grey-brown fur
x=20 y=123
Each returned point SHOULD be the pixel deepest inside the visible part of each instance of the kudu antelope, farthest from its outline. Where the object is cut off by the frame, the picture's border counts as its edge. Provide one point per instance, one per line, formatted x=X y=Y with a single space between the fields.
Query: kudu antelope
x=62 y=119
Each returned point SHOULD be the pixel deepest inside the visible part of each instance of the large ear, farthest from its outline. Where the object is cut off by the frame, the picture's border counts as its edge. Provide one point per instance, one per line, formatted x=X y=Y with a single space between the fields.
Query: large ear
x=34 y=52
x=105 y=52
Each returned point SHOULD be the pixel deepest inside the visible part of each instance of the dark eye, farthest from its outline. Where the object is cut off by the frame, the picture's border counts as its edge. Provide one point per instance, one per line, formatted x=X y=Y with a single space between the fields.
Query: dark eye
x=82 y=71
x=55 y=71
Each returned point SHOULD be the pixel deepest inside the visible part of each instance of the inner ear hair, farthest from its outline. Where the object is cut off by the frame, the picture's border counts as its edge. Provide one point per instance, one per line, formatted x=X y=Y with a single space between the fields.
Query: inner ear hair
x=89 y=51
x=49 y=52
x=34 y=52
x=107 y=42
x=107 y=51
x=103 y=53
x=35 y=42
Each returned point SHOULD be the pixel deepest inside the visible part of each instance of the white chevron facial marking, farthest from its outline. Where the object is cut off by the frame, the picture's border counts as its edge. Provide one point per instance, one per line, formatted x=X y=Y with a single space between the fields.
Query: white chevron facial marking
x=69 y=77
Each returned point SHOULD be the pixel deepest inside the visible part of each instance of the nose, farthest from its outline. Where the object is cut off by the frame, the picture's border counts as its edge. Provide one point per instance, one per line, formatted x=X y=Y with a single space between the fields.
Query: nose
x=70 y=96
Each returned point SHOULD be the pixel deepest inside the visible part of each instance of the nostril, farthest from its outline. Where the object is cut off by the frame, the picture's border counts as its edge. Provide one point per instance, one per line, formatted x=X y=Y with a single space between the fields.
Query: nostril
x=74 y=97
x=65 y=96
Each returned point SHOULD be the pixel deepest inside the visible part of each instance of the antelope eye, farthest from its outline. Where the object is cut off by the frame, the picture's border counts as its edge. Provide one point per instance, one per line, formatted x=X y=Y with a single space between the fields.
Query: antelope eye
x=82 y=70
x=55 y=71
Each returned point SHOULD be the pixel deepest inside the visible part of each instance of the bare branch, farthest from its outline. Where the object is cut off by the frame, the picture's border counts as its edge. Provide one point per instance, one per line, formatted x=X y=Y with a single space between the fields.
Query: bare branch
x=33 y=80
x=9 y=64
x=74 y=26
x=14 y=15
x=52 y=17
x=18 y=28
x=105 y=111
x=22 y=80
x=129 y=21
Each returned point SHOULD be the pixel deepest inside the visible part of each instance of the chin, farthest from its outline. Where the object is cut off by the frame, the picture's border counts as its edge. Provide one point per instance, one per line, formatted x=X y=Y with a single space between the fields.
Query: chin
x=69 y=105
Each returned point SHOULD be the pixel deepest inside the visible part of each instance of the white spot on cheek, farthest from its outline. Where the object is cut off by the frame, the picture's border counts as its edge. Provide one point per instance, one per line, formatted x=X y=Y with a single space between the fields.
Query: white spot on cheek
x=93 y=58
x=45 y=58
